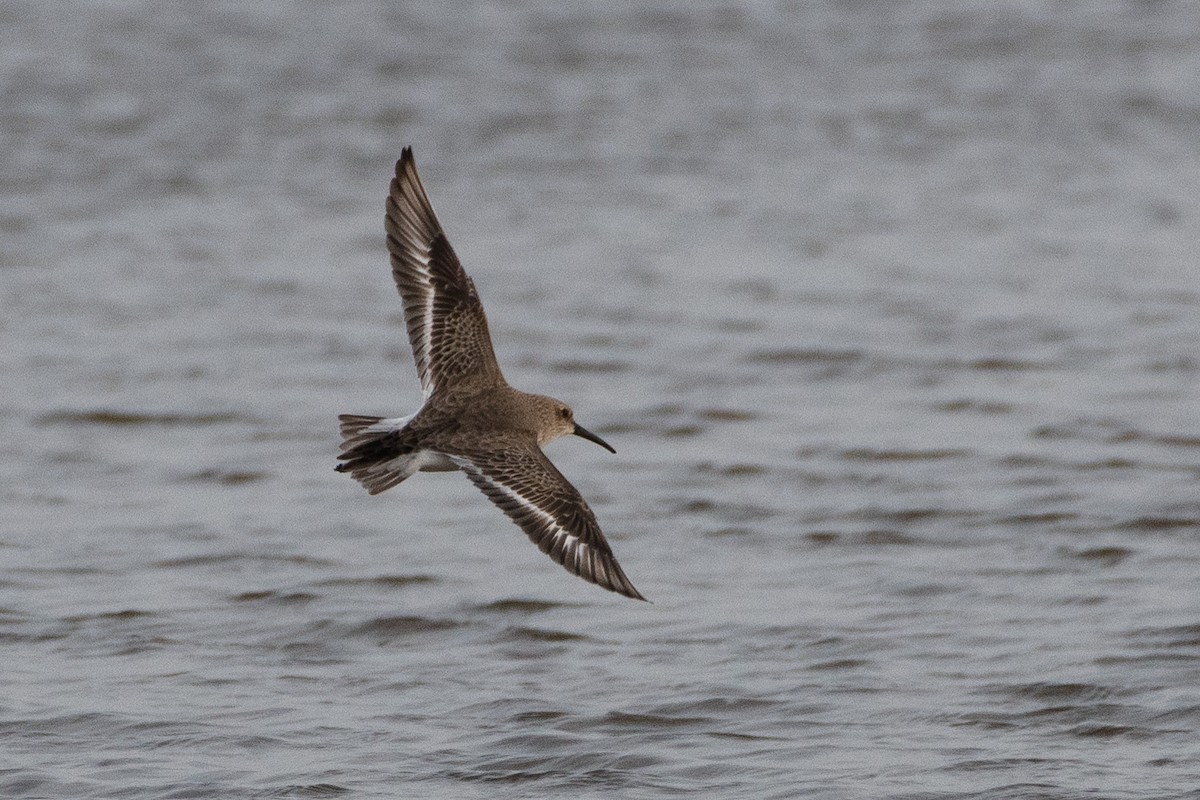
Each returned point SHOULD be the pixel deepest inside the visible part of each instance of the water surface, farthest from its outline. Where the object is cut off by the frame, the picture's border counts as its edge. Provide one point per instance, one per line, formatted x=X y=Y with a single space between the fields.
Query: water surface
x=890 y=310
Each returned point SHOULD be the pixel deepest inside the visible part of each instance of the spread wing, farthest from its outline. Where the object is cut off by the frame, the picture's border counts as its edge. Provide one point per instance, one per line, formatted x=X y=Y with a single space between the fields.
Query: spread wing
x=445 y=320
x=534 y=494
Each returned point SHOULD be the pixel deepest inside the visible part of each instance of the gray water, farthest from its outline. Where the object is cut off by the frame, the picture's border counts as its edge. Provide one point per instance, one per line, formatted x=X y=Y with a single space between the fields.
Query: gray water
x=891 y=311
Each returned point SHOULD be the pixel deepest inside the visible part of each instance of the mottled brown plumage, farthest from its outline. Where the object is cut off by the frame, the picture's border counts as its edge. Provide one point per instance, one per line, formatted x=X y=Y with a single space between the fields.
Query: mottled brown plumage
x=472 y=419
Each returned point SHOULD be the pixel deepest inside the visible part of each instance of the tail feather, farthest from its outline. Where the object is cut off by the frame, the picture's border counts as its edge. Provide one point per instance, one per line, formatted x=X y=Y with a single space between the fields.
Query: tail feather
x=353 y=427
x=374 y=451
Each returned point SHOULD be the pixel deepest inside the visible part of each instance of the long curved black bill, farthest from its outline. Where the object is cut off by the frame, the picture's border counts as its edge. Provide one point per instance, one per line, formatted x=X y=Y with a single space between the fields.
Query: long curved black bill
x=584 y=433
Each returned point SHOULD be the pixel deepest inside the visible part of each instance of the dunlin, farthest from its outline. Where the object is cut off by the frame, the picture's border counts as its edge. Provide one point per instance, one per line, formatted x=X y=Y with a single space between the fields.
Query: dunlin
x=471 y=420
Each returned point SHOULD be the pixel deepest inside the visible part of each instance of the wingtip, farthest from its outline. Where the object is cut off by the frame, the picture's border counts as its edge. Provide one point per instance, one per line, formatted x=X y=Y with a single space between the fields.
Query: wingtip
x=629 y=591
x=406 y=157
x=617 y=583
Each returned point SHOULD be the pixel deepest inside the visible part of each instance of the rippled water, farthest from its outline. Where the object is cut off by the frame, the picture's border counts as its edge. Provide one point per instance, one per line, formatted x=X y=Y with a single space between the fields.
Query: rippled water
x=891 y=311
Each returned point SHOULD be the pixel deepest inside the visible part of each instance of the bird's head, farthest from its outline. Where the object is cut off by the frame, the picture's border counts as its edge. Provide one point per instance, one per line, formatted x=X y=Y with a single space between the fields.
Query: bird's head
x=555 y=419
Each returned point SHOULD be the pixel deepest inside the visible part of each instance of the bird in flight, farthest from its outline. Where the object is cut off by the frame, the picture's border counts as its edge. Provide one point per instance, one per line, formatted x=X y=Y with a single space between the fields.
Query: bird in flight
x=471 y=419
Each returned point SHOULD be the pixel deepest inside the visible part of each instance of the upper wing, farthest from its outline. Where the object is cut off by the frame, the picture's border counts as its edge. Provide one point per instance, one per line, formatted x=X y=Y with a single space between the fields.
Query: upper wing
x=533 y=493
x=445 y=320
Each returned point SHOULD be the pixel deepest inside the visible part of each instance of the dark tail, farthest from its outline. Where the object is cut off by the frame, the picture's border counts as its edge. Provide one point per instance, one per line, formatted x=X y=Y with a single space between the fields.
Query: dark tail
x=374 y=458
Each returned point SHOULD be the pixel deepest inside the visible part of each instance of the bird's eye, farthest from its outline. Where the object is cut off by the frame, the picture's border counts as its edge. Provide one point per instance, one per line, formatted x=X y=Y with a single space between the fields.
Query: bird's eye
x=565 y=413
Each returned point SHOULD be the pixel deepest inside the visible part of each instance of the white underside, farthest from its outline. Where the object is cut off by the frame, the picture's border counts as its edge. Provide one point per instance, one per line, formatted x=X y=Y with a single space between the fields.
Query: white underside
x=420 y=461
x=430 y=461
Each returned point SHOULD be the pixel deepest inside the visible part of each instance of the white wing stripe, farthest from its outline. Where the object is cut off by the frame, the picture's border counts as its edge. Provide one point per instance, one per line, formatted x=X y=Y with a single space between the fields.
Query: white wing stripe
x=575 y=548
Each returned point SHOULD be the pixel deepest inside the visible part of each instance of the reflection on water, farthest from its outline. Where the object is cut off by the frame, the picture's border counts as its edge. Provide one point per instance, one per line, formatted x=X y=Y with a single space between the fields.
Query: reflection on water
x=889 y=310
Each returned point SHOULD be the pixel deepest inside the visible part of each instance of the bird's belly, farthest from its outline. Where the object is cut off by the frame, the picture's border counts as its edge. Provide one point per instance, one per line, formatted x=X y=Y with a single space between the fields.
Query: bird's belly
x=430 y=461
